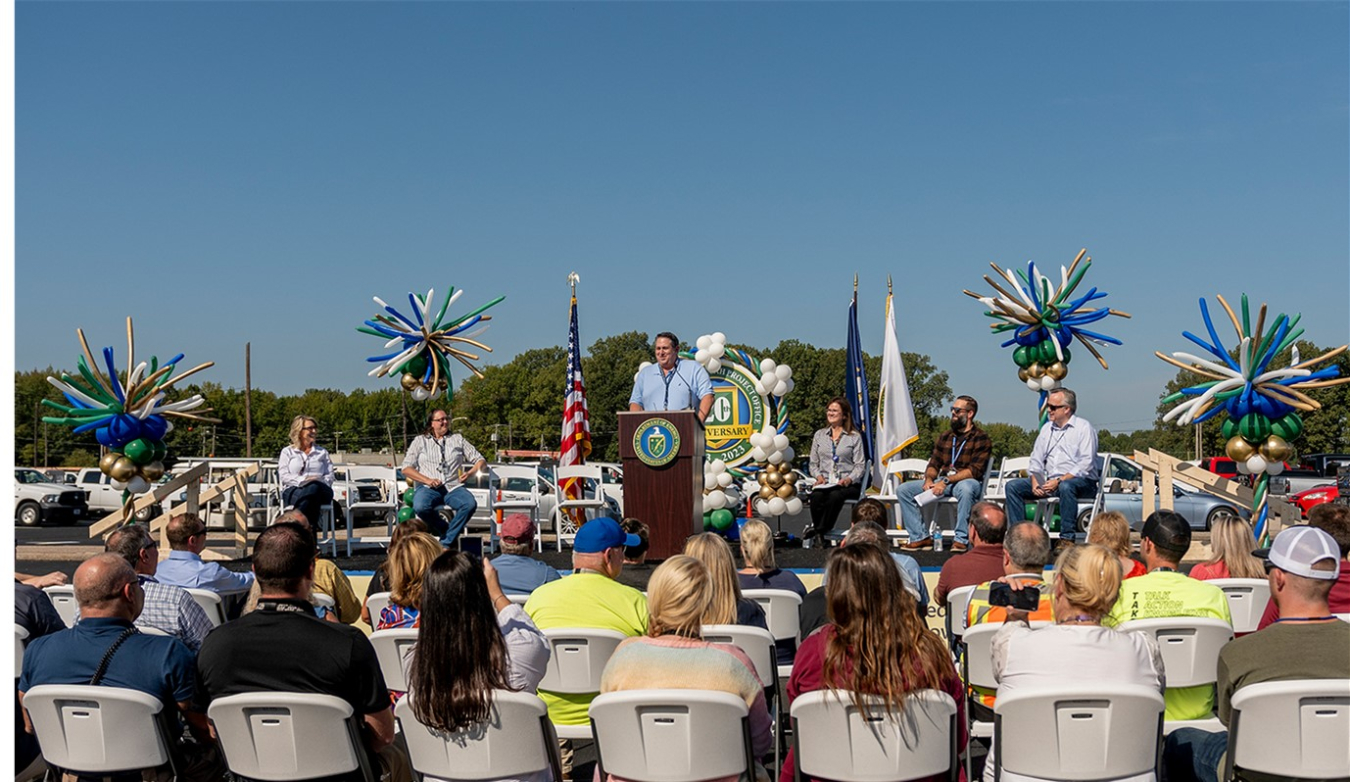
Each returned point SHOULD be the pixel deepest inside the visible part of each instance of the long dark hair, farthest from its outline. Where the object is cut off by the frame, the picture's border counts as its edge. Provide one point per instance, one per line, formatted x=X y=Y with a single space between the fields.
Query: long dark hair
x=848 y=413
x=460 y=656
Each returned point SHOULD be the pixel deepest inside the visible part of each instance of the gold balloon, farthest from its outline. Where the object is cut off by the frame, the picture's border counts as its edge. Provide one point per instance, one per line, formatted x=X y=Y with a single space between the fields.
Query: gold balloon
x=766 y=492
x=774 y=479
x=1275 y=449
x=789 y=477
x=409 y=381
x=786 y=490
x=153 y=471
x=1035 y=371
x=770 y=467
x=106 y=462
x=1239 y=450
x=1023 y=374
x=123 y=469
x=1057 y=370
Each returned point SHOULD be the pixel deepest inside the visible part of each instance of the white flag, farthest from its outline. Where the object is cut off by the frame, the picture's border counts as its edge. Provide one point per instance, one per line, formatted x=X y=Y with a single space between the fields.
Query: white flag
x=895 y=412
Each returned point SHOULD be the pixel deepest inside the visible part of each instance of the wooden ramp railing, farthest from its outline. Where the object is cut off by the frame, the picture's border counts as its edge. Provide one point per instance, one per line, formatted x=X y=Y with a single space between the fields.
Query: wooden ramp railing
x=1161 y=469
x=235 y=485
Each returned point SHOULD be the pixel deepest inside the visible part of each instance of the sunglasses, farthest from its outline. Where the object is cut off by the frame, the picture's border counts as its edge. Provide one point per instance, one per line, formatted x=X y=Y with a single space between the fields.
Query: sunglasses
x=1056 y=407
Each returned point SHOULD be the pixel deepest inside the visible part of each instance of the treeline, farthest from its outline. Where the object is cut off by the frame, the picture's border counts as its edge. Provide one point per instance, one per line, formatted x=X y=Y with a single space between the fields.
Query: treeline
x=519 y=405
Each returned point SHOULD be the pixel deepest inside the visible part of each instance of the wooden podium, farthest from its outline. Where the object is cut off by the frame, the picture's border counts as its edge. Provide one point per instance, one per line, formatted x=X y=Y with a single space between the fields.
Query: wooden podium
x=663 y=458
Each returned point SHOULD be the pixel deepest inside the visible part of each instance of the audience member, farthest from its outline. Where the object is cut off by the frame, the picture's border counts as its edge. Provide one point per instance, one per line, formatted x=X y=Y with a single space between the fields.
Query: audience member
x=590 y=597
x=1232 y=542
x=1077 y=649
x=284 y=647
x=761 y=570
x=328 y=580
x=984 y=561
x=1164 y=592
x=379 y=580
x=471 y=640
x=34 y=612
x=1307 y=642
x=868 y=509
x=956 y=469
x=1110 y=529
x=876 y=642
x=1063 y=465
x=54 y=578
x=167 y=608
x=1335 y=521
x=636 y=555
x=814 y=609
x=105 y=649
x=408 y=565
x=728 y=606
x=517 y=570
x=185 y=567
x=673 y=655
x=1026 y=551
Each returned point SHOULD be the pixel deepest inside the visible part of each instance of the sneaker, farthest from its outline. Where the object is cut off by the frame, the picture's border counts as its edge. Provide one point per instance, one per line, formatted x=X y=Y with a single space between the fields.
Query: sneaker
x=808 y=542
x=957 y=548
x=915 y=545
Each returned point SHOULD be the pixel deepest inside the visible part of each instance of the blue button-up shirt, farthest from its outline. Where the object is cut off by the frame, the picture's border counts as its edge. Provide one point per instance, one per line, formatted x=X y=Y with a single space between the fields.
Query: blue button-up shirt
x=1070 y=449
x=187 y=570
x=680 y=389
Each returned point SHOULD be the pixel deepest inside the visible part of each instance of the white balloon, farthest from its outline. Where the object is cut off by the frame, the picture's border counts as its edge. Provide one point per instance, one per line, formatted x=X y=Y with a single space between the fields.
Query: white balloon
x=1275 y=468
x=769 y=429
x=1048 y=383
x=780 y=441
x=780 y=388
x=704 y=342
x=714 y=365
x=1256 y=464
x=1242 y=468
x=784 y=371
x=760 y=389
x=118 y=485
x=757 y=454
x=756 y=440
x=1034 y=383
x=717 y=499
x=138 y=485
x=723 y=479
x=420 y=393
x=777 y=506
x=776 y=457
x=718 y=350
x=791 y=384
x=701 y=355
x=789 y=454
x=168 y=427
x=717 y=465
x=794 y=506
x=719 y=338
x=709 y=480
x=767 y=365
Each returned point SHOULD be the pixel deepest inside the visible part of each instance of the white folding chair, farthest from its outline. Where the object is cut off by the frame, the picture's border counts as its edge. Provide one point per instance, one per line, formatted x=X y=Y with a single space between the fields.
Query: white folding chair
x=782 y=613
x=562 y=519
x=392 y=647
x=888 y=491
x=98 y=731
x=519 y=600
x=1291 y=729
x=63 y=597
x=834 y=739
x=758 y=645
x=671 y=735
x=211 y=604
x=577 y=658
x=284 y=736
x=20 y=641
x=375 y=604
x=977 y=666
x=930 y=512
x=1190 y=649
x=517 y=740
x=1247 y=599
x=958 y=600
x=1092 y=731
x=515 y=479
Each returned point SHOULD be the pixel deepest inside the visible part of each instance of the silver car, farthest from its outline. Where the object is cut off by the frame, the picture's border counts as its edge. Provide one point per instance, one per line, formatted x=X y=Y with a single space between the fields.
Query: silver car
x=1200 y=509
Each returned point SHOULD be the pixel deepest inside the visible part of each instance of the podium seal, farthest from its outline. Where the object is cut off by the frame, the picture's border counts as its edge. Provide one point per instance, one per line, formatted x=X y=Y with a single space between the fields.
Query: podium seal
x=656 y=442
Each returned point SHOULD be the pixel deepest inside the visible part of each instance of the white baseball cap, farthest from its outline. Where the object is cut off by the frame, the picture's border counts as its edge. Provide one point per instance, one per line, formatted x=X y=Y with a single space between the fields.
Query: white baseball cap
x=1297 y=549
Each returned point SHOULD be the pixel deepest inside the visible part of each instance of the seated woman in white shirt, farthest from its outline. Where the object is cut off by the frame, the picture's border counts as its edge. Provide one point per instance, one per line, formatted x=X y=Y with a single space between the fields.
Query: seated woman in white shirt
x=305 y=471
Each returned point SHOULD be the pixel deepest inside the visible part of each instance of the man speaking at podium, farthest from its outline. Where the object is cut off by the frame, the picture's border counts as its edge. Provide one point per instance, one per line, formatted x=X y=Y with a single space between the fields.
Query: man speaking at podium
x=672 y=383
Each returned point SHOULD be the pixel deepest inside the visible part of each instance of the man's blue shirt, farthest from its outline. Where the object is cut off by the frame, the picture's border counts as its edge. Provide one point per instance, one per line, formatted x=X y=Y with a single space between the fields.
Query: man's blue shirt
x=520 y=575
x=680 y=389
x=153 y=664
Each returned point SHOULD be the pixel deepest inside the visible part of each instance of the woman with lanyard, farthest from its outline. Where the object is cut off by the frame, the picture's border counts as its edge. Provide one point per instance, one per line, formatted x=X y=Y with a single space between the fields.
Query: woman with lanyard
x=305 y=471
x=837 y=462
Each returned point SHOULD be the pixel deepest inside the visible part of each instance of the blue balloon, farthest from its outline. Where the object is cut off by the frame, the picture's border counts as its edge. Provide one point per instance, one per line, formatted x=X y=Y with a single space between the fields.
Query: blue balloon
x=104 y=437
x=154 y=427
x=124 y=429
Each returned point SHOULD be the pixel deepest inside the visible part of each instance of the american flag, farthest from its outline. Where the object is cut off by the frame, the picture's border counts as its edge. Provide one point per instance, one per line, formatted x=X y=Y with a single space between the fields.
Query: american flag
x=576 y=427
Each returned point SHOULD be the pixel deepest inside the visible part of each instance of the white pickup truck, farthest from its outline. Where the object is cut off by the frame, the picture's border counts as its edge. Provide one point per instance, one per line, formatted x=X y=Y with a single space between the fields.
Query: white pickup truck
x=103 y=498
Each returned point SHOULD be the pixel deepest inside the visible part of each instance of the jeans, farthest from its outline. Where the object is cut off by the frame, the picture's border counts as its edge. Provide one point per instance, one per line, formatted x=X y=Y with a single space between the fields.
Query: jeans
x=308 y=498
x=427 y=502
x=1194 y=754
x=825 y=507
x=966 y=492
x=1069 y=492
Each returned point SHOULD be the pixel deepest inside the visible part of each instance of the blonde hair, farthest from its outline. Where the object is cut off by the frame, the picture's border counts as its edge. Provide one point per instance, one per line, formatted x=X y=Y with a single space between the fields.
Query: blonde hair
x=1089 y=578
x=1110 y=529
x=298 y=423
x=757 y=545
x=408 y=563
x=715 y=554
x=1232 y=541
x=678 y=596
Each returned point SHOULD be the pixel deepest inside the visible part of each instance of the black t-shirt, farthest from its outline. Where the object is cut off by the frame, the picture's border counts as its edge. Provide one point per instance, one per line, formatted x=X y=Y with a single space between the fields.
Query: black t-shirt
x=284 y=647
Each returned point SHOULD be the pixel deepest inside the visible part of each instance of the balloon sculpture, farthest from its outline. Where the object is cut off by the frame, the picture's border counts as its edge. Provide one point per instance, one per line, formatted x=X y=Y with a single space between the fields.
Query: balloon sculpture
x=1044 y=321
x=127 y=414
x=426 y=347
x=1262 y=404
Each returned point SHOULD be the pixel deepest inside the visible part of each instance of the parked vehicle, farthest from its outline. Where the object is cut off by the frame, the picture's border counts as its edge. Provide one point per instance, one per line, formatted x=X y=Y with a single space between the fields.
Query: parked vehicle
x=1221 y=466
x=1313 y=470
x=371 y=492
x=37 y=499
x=264 y=491
x=1307 y=500
x=103 y=498
x=1123 y=477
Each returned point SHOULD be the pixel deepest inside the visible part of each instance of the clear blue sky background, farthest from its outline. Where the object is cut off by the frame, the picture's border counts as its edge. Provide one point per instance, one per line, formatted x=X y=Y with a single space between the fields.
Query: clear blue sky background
x=255 y=172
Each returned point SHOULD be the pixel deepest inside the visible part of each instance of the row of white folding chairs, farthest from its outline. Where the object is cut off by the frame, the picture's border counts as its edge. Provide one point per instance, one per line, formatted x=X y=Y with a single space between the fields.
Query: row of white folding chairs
x=63 y=598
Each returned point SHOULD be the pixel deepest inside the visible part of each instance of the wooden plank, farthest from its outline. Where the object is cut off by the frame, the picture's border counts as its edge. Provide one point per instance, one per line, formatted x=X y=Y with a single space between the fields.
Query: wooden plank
x=1166 y=492
x=1150 y=492
x=160 y=492
x=241 y=511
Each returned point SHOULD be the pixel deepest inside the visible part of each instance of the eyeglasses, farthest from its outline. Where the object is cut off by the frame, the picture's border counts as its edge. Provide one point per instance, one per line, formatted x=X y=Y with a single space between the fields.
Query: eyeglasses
x=1056 y=407
x=439 y=420
x=960 y=409
x=309 y=429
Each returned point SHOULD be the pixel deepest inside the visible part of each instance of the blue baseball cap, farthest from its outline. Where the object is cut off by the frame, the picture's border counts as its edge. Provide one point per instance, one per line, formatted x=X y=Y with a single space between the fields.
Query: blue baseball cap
x=600 y=534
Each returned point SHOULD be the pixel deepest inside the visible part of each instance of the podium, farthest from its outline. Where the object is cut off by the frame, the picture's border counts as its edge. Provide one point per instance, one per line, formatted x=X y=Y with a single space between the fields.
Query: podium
x=663 y=458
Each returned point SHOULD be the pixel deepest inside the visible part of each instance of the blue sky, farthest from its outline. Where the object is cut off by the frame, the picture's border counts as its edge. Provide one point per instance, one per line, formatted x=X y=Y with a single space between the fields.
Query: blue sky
x=255 y=172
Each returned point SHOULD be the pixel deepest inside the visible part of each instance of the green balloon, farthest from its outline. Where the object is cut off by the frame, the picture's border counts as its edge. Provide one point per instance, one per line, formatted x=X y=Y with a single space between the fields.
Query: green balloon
x=1229 y=429
x=405 y=514
x=722 y=519
x=1290 y=426
x=417 y=365
x=1254 y=428
x=1066 y=356
x=707 y=520
x=161 y=450
x=407 y=497
x=1020 y=357
x=141 y=451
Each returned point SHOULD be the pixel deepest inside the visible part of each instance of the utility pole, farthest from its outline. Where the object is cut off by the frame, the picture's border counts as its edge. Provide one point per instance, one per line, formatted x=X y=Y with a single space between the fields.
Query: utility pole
x=1199 y=441
x=390 y=430
x=248 y=399
x=337 y=442
x=213 y=441
x=404 y=399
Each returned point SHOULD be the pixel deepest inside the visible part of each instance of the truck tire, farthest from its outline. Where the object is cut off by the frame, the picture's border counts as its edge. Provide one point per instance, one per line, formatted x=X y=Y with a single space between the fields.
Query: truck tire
x=29 y=514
